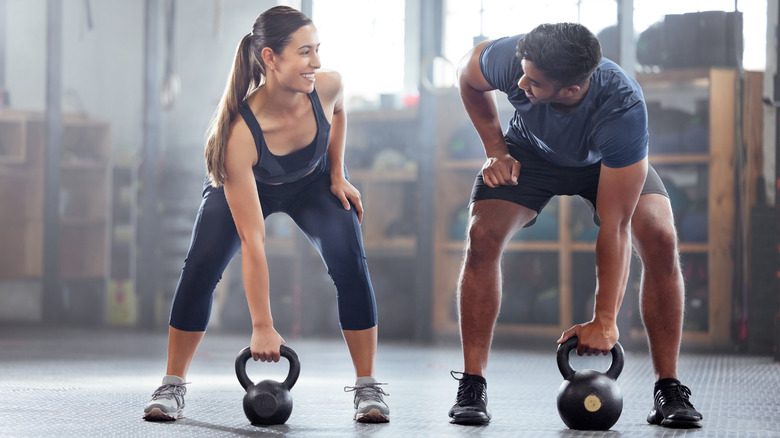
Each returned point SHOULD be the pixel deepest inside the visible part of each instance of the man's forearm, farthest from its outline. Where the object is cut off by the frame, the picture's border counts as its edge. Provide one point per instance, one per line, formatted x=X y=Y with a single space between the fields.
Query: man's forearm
x=613 y=259
x=481 y=109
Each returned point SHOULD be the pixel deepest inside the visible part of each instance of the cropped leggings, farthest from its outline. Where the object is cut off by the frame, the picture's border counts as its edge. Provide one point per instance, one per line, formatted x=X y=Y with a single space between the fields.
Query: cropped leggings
x=334 y=232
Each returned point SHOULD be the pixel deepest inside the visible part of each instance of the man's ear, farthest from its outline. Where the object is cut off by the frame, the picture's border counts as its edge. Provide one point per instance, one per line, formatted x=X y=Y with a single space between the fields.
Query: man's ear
x=571 y=90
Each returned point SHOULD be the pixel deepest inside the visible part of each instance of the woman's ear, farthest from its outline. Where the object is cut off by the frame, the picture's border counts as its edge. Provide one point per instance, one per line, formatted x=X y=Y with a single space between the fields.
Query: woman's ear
x=268 y=56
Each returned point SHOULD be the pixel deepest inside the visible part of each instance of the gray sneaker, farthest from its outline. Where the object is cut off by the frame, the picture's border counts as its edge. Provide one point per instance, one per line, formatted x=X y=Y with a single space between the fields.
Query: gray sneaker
x=370 y=406
x=167 y=402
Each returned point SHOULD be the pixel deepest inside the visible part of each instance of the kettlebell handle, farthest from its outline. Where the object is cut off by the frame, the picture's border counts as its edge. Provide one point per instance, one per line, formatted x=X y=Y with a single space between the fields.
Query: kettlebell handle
x=615 y=368
x=285 y=351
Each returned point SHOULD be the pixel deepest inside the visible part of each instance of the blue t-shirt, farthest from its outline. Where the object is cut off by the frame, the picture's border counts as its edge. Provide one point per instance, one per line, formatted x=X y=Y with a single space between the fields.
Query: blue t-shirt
x=610 y=124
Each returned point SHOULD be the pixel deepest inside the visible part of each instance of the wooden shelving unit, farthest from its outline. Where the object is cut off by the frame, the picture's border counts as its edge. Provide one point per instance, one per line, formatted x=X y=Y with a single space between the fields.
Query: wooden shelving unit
x=386 y=176
x=85 y=193
x=383 y=193
x=548 y=283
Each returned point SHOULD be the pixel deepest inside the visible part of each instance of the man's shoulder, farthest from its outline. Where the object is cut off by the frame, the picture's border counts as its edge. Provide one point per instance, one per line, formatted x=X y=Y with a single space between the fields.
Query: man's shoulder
x=608 y=66
x=615 y=82
x=499 y=64
x=502 y=46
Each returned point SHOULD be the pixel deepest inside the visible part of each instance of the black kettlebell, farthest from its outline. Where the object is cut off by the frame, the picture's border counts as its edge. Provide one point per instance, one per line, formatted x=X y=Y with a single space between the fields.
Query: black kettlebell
x=588 y=399
x=268 y=402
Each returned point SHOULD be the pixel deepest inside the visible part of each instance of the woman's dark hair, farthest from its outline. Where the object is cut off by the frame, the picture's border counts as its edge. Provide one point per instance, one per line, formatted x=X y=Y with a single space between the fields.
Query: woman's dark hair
x=566 y=53
x=273 y=29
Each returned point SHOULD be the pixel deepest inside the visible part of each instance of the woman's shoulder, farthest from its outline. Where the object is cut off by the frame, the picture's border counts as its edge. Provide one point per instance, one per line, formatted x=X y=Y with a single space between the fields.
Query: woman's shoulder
x=329 y=84
x=239 y=133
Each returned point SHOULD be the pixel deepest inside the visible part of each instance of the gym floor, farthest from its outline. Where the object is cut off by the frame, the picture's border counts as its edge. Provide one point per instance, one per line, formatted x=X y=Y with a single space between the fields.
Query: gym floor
x=82 y=383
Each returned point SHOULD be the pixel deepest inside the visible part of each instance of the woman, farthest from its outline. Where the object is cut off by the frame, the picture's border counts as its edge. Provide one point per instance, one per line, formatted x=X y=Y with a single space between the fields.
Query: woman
x=293 y=164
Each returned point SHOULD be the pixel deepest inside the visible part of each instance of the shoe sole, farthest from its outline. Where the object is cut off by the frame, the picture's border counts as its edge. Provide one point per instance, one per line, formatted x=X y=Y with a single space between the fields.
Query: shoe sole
x=656 y=419
x=681 y=424
x=156 y=414
x=470 y=420
x=372 y=416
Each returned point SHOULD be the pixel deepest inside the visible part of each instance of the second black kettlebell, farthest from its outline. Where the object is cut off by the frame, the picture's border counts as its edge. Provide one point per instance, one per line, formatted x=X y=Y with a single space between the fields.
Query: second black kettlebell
x=268 y=402
x=588 y=399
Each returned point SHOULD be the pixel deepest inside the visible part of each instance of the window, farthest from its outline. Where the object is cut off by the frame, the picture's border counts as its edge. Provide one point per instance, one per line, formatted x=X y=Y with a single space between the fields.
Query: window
x=364 y=41
x=467 y=20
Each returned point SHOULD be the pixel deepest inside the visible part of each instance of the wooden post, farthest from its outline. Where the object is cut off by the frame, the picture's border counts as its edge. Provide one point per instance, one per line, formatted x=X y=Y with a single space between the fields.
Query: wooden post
x=53 y=304
x=722 y=207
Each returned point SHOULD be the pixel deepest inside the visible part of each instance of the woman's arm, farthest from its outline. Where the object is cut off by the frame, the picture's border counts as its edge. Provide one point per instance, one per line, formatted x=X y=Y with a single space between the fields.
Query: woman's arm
x=241 y=194
x=333 y=92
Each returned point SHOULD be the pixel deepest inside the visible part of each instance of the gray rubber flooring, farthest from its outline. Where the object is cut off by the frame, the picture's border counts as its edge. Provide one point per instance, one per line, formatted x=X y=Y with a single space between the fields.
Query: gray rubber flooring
x=79 y=383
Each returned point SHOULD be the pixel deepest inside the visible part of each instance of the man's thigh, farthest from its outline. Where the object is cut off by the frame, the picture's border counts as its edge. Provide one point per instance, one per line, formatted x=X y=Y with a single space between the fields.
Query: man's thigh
x=653 y=186
x=497 y=220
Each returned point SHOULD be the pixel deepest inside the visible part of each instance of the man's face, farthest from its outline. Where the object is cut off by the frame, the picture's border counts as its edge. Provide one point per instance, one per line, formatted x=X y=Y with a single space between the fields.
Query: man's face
x=537 y=87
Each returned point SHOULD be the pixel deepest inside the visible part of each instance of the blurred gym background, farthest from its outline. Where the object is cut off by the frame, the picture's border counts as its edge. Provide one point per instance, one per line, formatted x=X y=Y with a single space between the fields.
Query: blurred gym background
x=104 y=106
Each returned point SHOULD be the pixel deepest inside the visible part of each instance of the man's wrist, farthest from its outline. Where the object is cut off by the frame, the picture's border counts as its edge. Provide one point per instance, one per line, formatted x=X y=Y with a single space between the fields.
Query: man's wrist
x=496 y=151
x=605 y=318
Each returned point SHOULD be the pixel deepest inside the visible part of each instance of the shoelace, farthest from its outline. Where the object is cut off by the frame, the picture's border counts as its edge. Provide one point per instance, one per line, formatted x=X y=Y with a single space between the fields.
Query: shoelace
x=675 y=393
x=169 y=390
x=369 y=391
x=469 y=391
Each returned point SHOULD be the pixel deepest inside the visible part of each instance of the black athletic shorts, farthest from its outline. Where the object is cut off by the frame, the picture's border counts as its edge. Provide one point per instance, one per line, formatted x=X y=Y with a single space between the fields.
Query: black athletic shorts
x=539 y=180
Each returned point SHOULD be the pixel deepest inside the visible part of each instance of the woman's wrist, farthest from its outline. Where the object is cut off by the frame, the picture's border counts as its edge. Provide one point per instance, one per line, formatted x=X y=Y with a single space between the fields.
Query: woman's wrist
x=337 y=173
x=265 y=324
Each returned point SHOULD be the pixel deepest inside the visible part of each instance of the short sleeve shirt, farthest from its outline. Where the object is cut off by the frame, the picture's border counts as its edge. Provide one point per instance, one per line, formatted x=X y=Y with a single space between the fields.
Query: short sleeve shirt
x=610 y=124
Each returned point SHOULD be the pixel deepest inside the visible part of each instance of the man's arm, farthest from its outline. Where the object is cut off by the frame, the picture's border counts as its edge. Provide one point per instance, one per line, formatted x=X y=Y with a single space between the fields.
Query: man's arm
x=479 y=101
x=618 y=194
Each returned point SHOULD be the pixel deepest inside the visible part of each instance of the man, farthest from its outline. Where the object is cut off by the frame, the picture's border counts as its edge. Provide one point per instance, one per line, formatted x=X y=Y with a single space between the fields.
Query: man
x=580 y=128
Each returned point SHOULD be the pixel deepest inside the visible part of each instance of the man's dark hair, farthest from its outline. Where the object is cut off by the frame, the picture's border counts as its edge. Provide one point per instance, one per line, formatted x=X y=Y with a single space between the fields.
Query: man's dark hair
x=566 y=53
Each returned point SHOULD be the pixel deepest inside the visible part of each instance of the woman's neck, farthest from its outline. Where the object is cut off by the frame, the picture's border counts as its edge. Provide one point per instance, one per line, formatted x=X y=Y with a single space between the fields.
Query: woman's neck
x=275 y=100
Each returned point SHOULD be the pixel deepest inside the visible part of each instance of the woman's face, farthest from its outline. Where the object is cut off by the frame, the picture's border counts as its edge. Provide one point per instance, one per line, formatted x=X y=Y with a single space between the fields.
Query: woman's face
x=296 y=65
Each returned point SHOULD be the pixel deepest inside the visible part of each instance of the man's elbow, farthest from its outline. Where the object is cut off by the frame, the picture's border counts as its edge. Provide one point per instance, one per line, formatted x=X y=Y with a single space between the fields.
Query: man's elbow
x=461 y=77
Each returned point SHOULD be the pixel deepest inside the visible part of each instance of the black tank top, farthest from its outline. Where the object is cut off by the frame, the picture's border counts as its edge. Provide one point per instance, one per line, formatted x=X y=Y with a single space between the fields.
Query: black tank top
x=275 y=169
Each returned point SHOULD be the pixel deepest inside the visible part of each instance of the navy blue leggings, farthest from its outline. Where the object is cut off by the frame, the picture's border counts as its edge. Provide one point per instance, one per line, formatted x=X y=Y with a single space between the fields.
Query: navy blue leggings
x=334 y=232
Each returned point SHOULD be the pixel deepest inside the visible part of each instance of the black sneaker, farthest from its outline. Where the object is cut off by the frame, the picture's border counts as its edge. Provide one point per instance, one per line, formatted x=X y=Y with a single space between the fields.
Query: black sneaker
x=672 y=407
x=471 y=405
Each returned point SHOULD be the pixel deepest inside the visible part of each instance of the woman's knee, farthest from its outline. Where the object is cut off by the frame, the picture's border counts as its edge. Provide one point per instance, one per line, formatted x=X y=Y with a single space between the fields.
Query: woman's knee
x=363 y=321
x=190 y=309
x=356 y=300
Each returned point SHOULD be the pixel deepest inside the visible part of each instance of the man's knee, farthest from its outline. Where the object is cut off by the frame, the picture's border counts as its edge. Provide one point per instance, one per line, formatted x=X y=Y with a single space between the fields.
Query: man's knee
x=491 y=224
x=653 y=226
x=656 y=244
x=483 y=243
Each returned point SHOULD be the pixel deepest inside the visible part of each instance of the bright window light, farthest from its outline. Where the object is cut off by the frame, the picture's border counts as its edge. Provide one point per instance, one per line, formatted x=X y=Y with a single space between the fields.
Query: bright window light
x=364 y=39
